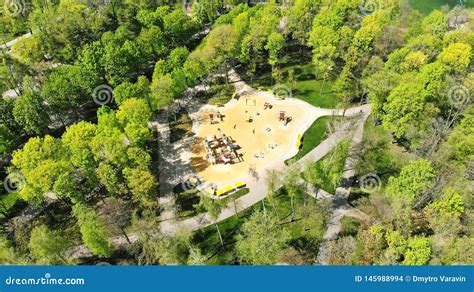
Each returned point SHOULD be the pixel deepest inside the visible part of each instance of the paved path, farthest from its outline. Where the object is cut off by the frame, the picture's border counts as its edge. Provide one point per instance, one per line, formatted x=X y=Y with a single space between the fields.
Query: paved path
x=172 y=162
x=12 y=42
x=257 y=186
x=339 y=202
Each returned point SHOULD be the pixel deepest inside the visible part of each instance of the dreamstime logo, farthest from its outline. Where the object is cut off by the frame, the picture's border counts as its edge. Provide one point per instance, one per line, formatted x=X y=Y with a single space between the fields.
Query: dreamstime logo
x=14 y=182
x=103 y=94
x=190 y=8
x=282 y=92
x=175 y=108
x=370 y=183
x=14 y=7
x=367 y=7
x=47 y=279
x=459 y=95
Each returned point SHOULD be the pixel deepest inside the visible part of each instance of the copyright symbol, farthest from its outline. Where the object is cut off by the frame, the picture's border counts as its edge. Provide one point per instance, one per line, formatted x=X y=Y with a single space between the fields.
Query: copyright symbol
x=408 y=278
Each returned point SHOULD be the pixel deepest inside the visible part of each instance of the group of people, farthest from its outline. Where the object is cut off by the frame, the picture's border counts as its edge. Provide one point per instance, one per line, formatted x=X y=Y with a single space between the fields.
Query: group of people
x=216 y=117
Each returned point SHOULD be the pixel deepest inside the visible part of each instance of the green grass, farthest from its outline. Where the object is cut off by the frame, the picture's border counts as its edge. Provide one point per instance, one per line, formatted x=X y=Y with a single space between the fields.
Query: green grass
x=349 y=226
x=310 y=91
x=305 y=85
x=236 y=195
x=426 y=6
x=311 y=138
x=208 y=239
x=8 y=201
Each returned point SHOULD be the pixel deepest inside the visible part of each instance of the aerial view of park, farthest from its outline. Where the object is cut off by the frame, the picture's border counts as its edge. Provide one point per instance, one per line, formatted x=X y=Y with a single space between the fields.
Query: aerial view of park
x=237 y=132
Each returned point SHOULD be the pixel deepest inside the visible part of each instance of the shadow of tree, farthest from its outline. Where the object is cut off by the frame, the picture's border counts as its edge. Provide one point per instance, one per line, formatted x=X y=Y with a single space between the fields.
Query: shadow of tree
x=200 y=164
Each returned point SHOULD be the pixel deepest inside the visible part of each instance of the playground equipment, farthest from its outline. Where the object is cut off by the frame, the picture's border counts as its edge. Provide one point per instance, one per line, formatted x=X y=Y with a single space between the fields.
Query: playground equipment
x=221 y=150
x=282 y=115
x=227 y=190
x=272 y=145
x=298 y=141
x=215 y=118
x=220 y=116
x=267 y=106
x=239 y=185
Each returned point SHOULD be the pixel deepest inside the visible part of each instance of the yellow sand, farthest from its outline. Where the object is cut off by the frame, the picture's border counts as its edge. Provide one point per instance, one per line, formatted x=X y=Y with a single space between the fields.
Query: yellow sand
x=243 y=135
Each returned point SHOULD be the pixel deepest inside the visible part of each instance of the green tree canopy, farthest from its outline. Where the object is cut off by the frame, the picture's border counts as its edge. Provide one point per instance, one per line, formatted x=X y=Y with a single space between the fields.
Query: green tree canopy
x=94 y=233
x=261 y=240
x=414 y=179
x=48 y=246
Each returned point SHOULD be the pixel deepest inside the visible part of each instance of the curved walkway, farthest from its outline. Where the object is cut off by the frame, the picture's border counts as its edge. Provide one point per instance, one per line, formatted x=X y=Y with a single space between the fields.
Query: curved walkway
x=257 y=184
x=12 y=42
x=258 y=188
x=174 y=169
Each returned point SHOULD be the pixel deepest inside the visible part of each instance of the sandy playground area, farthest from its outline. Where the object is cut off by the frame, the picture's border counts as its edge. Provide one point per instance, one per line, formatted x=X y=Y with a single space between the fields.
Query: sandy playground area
x=247 y=136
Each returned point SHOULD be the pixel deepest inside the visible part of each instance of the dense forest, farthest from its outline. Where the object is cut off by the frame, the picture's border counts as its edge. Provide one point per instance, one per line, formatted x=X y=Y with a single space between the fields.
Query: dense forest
x=85 y=79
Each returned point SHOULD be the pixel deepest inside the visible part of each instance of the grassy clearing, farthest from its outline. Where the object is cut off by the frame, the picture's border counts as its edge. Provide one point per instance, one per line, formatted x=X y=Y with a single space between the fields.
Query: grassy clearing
x=425 y=7
x=304 y=85
x=311 y=92
x=311 y=138
x=379 y=156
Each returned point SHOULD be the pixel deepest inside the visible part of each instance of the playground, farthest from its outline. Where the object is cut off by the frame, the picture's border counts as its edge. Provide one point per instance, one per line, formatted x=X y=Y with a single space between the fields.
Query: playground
x=251 y=132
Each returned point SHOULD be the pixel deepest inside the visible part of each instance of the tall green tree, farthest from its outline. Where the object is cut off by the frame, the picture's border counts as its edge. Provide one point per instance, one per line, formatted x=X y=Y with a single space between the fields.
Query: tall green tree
x=261 y=240
x=275 y=44
x=30 y=112
x=48 y=246
x=68 y=88
x=444 y=214
x=77 y=140
x=300 y=19
x=94 y=233
x=415 y=178
x=8 y=254
x=214 y=208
